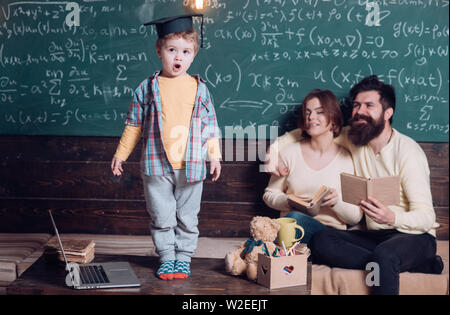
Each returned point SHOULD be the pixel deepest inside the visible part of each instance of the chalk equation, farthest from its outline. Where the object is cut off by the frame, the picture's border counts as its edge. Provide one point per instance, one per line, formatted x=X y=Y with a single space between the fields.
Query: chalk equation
x=71 y=67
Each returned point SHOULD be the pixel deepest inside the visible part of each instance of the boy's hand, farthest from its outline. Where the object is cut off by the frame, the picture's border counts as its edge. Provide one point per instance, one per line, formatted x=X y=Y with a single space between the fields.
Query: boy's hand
x=215 y=169
x=116 y=166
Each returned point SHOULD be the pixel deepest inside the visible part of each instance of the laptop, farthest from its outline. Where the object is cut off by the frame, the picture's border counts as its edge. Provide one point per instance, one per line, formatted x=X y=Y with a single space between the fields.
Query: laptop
x=97 y=275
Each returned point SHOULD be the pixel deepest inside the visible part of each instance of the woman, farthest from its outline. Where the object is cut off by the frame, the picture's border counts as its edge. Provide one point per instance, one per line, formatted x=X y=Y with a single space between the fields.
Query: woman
x=315 y=161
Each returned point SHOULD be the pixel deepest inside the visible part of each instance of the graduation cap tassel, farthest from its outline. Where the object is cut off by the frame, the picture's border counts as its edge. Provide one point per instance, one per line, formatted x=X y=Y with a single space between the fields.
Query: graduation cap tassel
x=202 y=33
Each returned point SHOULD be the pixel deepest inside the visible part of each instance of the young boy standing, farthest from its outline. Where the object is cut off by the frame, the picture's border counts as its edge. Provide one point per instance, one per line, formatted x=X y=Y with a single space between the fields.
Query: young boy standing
x=174 y=112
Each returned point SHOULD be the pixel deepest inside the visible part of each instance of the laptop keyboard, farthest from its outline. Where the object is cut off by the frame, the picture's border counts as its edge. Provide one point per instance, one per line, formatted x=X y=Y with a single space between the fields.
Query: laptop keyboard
x=93 y=274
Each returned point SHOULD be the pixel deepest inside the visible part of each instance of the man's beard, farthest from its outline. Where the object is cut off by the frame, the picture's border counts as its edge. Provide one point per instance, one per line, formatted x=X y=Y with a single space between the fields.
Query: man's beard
x=361 y=134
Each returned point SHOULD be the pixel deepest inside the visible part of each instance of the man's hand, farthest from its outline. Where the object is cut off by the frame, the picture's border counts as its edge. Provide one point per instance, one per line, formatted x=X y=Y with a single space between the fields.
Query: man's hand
x=331 y=198
x=116 y=166
x=378 y=211
x=215 y=169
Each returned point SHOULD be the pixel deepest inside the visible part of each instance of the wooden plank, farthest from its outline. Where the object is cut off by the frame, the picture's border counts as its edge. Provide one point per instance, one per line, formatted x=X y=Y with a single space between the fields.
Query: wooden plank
x=72 y=148
x=442 y=219
x=86 y=180
x=238 y=182
x=216 y=219
x=208 y=276
x=73 y=216
x=59 y=148
x=437 y=154
x=439 y=187
x=72 y=175
x=120 y=217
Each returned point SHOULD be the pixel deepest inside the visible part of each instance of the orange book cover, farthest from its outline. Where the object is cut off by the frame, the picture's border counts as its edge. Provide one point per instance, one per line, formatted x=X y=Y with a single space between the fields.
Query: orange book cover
x=309 y=205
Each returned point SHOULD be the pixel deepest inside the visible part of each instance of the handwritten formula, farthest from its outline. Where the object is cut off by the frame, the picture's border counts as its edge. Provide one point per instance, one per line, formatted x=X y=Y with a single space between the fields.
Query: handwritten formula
x=260 y=58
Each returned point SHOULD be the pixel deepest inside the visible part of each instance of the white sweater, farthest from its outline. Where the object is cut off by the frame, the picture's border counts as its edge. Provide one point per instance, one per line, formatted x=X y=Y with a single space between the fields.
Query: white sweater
x=404 y=157
x=305 y=182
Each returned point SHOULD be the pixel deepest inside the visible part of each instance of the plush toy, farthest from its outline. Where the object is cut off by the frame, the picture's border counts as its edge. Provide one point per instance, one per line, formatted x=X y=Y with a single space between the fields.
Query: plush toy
x=263 y=231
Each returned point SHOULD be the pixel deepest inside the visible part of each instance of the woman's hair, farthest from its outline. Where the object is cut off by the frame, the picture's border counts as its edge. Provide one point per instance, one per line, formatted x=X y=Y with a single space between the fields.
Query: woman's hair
x=330 y=106
x=190 y=35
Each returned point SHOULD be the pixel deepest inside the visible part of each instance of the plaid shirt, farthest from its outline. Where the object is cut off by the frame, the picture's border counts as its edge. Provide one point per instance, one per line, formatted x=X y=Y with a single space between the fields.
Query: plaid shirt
x=145 y=111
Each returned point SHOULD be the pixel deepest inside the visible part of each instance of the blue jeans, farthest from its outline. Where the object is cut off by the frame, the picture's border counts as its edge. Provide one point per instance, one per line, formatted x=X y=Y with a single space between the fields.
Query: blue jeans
x=308 y=223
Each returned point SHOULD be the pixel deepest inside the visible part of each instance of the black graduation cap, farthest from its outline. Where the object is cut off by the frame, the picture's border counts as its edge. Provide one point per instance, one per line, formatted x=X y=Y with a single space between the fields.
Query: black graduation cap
x=175 y=24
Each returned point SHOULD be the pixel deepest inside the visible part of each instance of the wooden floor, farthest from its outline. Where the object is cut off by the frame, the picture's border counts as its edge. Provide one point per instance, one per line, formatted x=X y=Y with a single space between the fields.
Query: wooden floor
x=208 y=278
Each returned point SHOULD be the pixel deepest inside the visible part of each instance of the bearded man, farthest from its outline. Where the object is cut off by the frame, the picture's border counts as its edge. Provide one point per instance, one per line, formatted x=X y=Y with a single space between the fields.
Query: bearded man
x=398 y=237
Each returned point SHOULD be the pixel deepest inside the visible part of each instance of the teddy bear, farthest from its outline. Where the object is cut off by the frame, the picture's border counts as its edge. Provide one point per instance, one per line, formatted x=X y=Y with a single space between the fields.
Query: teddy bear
x=244 y=260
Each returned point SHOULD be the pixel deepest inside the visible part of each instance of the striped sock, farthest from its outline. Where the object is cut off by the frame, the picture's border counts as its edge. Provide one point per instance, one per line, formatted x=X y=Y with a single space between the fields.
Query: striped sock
x=182 y=269
x=165 y=271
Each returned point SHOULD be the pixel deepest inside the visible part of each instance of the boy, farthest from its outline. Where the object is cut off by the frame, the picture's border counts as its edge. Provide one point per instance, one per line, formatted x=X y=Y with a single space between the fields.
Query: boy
x=174 y=112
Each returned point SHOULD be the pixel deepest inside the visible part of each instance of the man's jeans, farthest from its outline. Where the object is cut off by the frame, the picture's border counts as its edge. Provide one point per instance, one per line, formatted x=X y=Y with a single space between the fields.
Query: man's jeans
x=393 y=251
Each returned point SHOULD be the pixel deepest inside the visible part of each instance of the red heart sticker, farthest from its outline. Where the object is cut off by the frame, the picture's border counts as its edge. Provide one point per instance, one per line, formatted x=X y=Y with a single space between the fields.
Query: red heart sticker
x=288 y=269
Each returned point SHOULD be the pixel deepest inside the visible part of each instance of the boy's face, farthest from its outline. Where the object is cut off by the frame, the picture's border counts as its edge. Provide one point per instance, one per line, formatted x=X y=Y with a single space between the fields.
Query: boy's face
x=177 y=55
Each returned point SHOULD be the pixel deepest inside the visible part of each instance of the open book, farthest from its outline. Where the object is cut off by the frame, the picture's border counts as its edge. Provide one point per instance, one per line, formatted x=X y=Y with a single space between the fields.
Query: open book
x=385 y=189
x=309 y=205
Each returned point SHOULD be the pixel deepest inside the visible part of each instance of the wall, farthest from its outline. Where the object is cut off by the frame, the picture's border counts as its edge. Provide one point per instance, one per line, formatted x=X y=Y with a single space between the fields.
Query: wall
x=72 y=176
x=260 y=58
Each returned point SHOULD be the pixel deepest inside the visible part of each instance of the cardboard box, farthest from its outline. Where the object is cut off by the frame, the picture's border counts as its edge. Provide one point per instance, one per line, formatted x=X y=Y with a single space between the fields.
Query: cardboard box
x=284 y=271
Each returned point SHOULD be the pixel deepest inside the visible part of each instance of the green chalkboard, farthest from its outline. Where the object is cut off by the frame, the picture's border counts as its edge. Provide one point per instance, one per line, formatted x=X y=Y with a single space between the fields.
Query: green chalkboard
x=260 y=59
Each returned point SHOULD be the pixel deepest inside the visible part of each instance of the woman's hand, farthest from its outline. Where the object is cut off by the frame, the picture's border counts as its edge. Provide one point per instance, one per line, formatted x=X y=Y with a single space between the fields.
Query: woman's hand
x=331 y=199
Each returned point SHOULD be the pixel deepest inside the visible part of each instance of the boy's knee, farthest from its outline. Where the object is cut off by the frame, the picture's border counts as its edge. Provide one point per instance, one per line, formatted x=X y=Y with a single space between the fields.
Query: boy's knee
x=163 y=222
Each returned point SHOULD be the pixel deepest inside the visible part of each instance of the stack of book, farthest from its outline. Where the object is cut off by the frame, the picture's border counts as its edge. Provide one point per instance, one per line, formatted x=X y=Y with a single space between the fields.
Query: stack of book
x=76 y=250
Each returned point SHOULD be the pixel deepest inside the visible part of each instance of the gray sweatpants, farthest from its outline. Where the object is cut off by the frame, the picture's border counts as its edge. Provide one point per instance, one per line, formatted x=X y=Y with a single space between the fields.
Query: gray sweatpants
x=173 y=205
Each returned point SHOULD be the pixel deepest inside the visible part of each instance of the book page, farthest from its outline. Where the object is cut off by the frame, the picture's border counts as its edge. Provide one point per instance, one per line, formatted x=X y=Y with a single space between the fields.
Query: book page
x=354 y=188
x=318 y=198
x=385 y=189
x=317 y=201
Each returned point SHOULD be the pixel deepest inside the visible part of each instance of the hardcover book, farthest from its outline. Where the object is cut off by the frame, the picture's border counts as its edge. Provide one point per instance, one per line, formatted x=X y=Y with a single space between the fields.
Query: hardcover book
x=356 y=188
x=76 y=250
x=309 y=205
